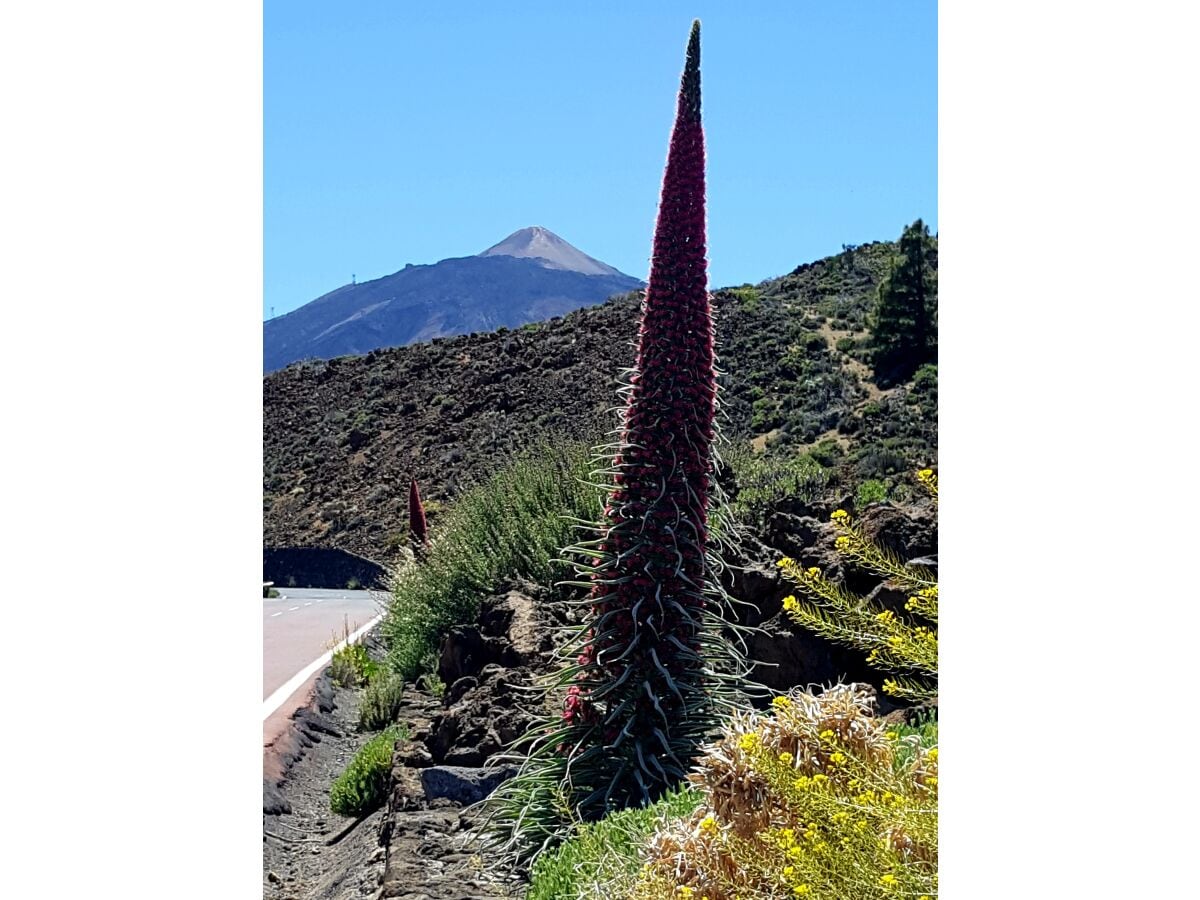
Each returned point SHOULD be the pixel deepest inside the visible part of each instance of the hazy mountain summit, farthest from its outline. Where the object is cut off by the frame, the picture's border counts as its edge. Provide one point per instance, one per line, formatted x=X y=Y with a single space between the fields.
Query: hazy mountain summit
x=537 y=242
x=531 y=275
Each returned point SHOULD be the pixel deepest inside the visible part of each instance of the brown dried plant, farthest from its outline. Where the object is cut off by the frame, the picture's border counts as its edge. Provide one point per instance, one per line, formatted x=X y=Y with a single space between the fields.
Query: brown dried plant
x=819 y=799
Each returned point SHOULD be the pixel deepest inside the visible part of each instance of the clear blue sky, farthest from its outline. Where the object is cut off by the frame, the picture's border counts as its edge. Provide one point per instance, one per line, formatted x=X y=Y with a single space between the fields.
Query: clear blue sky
x=398 y=132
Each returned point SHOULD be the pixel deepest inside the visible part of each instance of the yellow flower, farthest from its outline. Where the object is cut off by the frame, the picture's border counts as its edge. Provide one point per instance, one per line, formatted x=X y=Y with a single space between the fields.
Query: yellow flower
x=685 y=891
x=885 y=616
x=837 y=758
x=818 y=778
x=785 y=758
x=812 y=572
x=708 y=824
x=892 y=735
x=790 y=603
x=789 y=871
x=801 y=889
x=925 y=473
x=842 y=542
x=801 y=783
x=931 y=781
x=785 y=562
x=826 y=735
x=932 y=754
x=781 y=702
x=888 y=880
x=839 y=514
x=749 y=742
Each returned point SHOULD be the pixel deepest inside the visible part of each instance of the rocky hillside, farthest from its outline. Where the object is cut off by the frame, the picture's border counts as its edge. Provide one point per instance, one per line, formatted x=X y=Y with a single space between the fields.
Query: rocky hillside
x=531 y=275
x=341 y=437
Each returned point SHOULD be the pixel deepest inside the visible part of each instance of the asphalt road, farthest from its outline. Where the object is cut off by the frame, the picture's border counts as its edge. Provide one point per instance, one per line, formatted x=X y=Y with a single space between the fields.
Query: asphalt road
x=303 y=623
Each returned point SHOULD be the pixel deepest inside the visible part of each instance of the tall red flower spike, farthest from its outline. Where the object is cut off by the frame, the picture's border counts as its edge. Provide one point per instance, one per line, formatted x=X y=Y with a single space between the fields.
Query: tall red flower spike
x=643 y=689
x=652 y=661
x=417 y=530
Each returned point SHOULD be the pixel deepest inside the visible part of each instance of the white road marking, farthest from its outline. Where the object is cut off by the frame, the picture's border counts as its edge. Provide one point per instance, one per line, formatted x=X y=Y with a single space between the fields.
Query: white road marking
x=291 y=608
x=273 y=615
x=308 y=604
x=278 y=698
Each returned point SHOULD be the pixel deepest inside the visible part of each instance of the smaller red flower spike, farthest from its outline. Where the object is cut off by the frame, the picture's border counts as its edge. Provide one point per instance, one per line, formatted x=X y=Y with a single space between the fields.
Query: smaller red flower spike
x=417 y=529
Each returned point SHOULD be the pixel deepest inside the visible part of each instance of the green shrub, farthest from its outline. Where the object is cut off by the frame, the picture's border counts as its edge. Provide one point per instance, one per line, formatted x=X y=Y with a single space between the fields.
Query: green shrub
x=512 y=524
x=380 y=701
x=747 y=296
x=352 y=666
x=431 y=681
x=827 y=453
x=924 y=727
x=764 y=481
x=815 y=342
x=875 y=461
x=846 y=344
x=765 y=414
x=926 y=379
x=602 y=859
x=363 y=786
x=871 y=491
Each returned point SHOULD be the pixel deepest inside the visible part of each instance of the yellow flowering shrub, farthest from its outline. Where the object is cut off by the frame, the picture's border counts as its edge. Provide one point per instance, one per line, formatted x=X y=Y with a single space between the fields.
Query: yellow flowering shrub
x=815 y=799
x=906 y=647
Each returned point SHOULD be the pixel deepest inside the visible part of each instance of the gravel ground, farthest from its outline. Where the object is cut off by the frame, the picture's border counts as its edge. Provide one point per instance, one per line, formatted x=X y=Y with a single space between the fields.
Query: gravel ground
x=304 y=855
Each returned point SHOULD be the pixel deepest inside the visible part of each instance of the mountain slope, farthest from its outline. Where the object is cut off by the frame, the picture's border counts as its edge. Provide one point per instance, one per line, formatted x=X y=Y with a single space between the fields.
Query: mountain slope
x=342 y=437
x=507 y=285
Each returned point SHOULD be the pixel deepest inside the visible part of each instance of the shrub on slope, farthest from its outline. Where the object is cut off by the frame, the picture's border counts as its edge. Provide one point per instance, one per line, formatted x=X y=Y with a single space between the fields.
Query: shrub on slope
x=511 y=524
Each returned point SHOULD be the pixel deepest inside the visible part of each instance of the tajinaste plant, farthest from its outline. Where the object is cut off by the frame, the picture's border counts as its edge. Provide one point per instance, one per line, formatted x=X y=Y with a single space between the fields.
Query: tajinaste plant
x=651 y=660
x=417 y=531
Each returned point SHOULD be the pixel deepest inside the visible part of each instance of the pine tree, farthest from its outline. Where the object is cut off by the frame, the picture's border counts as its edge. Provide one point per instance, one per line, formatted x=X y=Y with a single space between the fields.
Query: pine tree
x=904 y=325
